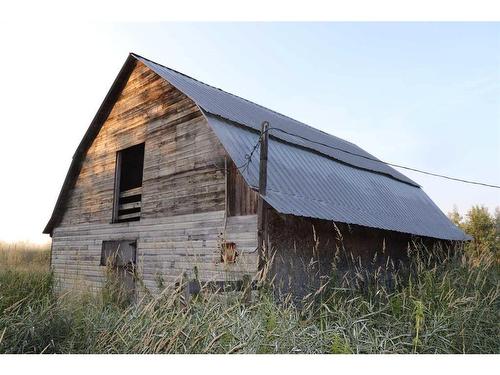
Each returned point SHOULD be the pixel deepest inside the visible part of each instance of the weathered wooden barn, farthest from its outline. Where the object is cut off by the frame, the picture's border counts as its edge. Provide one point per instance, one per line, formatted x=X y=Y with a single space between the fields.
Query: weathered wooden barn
x=167 y=177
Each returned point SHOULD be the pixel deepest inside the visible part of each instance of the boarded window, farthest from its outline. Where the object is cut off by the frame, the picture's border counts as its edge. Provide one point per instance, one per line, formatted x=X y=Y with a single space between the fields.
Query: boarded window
x=118 y=253
x=128 y=184
x=120 y=257
x=241 y=200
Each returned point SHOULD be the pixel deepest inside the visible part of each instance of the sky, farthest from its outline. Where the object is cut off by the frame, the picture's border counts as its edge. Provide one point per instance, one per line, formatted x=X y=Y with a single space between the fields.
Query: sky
x=425 y=95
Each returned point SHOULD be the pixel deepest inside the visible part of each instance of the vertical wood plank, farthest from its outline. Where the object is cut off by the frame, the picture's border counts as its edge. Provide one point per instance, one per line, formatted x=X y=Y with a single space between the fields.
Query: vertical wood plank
x=247 y=290
x=116 y=188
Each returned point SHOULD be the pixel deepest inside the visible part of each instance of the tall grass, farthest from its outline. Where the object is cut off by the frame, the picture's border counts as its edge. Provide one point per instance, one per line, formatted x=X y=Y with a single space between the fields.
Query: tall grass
x=24 y=256
x=437 y=304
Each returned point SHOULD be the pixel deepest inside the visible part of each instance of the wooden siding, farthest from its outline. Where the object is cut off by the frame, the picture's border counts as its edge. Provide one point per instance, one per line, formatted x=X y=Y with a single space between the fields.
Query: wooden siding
x=183 y=193
x=166 y=247
x=305 y=249
x=241 y=199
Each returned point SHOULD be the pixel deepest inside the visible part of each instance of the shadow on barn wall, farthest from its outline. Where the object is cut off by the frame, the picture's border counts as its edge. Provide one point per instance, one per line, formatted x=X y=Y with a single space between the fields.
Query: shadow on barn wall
x=306 y=252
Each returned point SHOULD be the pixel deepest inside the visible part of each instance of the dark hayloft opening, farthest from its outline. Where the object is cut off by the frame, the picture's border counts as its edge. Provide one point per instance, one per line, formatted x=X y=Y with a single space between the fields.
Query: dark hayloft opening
x=128 y=184
x=132 y=165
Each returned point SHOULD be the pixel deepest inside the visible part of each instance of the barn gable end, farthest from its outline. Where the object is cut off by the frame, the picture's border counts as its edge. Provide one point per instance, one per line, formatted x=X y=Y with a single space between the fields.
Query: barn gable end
x=183 y=157
x=183 y=192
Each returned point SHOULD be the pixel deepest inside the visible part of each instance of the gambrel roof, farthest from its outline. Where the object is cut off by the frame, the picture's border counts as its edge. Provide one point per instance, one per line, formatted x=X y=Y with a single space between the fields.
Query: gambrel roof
x=310 y=173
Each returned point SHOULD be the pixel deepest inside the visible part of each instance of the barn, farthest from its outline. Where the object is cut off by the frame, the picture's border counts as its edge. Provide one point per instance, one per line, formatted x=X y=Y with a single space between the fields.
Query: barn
x=174 y=176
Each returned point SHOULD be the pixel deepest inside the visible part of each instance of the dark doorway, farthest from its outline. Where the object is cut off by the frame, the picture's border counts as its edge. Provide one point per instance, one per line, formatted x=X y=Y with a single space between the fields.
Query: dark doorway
x=128 y=184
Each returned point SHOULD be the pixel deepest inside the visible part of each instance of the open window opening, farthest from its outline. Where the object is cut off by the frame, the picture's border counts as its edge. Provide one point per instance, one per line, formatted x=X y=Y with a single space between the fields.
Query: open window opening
x=241 y=200
x=128 y=184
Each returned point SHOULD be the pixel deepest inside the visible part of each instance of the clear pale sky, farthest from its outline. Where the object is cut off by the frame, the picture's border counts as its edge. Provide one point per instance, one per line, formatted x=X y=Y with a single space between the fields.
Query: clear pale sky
x=425 y=95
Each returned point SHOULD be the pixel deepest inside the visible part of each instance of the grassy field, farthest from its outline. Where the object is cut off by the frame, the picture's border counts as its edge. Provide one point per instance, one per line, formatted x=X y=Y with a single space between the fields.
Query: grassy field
x=445 y=304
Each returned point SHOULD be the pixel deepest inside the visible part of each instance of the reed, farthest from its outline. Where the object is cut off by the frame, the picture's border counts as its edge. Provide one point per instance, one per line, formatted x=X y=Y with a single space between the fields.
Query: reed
x=441 y=302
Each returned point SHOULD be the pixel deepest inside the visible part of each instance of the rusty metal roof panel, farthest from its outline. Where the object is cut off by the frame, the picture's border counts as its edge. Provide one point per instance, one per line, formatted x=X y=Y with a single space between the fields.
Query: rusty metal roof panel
x=305 y=183
x=242 y=111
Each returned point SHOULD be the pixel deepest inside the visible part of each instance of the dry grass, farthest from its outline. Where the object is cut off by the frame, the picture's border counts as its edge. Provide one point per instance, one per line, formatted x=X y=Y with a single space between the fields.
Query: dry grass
x=439 y=304
x=24 y=256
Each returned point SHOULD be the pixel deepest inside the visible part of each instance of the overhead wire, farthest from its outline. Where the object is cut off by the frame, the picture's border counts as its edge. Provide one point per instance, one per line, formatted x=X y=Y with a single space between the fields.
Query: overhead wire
x=248 y=157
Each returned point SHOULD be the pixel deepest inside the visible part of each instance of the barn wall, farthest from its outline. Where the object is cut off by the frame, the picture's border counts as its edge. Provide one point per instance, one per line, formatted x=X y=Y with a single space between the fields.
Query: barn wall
x=241 y=199
x=165 y=248
x=183 y=197
x=304 y=250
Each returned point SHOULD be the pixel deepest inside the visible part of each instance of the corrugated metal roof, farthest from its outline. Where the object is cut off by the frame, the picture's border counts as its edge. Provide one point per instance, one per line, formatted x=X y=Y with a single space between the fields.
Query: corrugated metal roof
x=304 y=183
x=304 y=178
x=242 y=111
x=315 y=180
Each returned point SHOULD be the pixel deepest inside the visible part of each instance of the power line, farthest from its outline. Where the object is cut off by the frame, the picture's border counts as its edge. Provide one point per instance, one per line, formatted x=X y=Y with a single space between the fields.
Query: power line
x=248 y=158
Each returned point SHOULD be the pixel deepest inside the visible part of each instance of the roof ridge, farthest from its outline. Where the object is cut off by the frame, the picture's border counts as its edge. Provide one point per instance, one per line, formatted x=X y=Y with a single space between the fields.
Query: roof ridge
x=246 y=100
x=211 y=99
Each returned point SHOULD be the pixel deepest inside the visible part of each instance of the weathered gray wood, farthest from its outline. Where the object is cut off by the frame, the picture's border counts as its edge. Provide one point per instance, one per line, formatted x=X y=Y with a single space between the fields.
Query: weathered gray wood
x=131 y=192
x=129 y=216
x=116 y=188
x=128 y=206
x=182 y=197
x=241 y=200
x=247 y=290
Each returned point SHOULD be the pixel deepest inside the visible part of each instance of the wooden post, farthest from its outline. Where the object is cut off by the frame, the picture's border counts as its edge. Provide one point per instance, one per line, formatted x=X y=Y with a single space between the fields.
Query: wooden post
x=261 y=205
x=116 y=189
x=247 y=290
